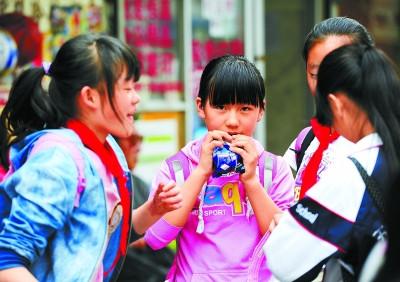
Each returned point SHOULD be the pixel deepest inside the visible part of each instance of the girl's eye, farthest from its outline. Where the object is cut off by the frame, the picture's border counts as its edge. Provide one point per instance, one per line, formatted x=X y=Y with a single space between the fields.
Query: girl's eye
x=248 y=108
x=219 y=107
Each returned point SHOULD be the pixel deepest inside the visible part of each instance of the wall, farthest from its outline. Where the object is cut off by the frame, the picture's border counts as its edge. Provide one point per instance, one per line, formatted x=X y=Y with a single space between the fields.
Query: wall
x=380 y=17
x=289 y=104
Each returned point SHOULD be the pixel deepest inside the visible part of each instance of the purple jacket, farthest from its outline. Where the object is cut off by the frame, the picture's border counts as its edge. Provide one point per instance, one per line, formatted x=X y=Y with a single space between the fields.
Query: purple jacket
x=229 y=248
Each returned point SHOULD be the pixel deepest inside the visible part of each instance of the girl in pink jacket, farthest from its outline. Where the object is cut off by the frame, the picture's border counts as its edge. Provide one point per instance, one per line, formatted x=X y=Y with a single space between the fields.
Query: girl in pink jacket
x=224 y=219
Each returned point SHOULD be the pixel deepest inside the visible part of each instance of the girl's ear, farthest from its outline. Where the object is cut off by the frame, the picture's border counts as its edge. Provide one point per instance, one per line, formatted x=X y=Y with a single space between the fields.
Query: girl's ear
x=260 y=115
x=262 y=111
x=89 y=97
x=200 y=108
x=336 y=104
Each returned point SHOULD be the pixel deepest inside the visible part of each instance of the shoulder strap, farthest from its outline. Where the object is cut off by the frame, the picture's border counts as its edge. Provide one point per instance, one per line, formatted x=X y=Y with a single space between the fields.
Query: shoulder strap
x=267 y=169
x=58 y=140
x=303 y=140
x=371 y=186
x=178 y=165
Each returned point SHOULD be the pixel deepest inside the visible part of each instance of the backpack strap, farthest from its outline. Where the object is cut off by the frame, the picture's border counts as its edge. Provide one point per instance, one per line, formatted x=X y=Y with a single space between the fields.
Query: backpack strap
x=267 y=169
x=303 y=141
x=53 y=139
x=178 y=165
x=371 y=186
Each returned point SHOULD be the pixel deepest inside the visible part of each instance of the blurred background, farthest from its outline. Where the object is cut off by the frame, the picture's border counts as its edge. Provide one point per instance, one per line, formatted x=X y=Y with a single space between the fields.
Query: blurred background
x=174 y=39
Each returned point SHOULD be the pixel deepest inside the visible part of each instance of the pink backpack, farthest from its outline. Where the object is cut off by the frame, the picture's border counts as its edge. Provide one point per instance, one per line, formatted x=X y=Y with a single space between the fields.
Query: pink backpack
x=54 y=140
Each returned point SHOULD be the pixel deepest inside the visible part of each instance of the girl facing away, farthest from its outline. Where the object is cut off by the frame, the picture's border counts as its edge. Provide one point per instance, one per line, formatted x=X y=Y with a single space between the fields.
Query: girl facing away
x=358 y=94
x=65 y=205
x=224 y=219
x=315 y=147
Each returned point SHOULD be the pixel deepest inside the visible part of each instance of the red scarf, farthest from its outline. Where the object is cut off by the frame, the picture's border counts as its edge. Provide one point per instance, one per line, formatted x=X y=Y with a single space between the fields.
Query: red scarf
x=324 y=136
x=109 y=159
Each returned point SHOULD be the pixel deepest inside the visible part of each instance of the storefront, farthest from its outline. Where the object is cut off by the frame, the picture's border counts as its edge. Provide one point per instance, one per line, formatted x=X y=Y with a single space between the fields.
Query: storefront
x=174 y=39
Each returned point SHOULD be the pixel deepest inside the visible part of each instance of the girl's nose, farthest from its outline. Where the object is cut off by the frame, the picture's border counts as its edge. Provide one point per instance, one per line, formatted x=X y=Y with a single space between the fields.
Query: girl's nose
x=232 y=120
x=135 y=98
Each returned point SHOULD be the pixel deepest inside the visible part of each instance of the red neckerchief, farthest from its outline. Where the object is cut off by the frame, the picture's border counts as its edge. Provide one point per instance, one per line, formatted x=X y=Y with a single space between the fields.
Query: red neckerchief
x=110 y=161
x=324 y=136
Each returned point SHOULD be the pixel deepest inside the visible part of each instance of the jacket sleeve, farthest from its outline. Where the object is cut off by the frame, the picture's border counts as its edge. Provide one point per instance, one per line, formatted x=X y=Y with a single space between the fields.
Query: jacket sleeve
x=42 y=193
x=161 y=233
x=298 y=243
x=282 y=188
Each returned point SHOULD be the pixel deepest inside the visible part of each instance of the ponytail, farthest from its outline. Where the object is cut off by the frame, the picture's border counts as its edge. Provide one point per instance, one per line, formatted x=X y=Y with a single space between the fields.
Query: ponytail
x=27 y=110
x=381 y=100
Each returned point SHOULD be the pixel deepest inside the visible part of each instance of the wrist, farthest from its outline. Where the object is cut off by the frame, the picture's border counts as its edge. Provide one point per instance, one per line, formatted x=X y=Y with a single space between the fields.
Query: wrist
x=201 y=174
x=251 y=183
x=153 y=209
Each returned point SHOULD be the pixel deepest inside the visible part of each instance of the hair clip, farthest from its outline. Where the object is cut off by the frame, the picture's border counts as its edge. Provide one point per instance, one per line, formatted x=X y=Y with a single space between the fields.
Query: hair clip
x=46 y=67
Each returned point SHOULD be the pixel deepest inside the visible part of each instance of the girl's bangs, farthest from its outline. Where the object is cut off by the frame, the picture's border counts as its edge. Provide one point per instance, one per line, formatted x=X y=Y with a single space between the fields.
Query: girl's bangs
x=235 y=89
x=132 y=65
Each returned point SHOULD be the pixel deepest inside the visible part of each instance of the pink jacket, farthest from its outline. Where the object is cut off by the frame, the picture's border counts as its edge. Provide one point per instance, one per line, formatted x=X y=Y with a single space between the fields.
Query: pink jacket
x=229 y=248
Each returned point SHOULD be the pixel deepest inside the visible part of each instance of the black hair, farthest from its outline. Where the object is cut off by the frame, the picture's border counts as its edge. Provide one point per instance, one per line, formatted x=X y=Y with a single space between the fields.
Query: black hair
x=231 y=79
x=390 y=269
x=93 y=60
x=340 y=26
x=370 y=79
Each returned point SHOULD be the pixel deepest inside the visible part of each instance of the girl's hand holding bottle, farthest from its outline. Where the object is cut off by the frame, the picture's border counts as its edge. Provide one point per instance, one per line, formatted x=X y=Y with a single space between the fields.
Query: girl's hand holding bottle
x=245 y=147
x=213 y=139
